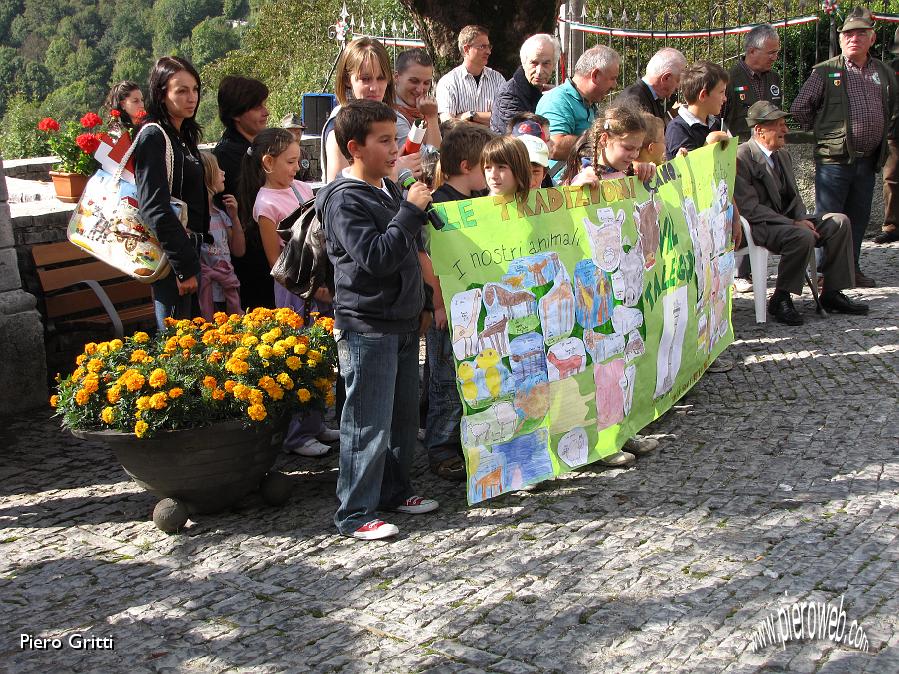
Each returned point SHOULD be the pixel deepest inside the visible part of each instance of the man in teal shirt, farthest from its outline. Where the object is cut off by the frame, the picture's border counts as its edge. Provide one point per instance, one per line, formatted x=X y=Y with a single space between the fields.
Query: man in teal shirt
x=571 y=107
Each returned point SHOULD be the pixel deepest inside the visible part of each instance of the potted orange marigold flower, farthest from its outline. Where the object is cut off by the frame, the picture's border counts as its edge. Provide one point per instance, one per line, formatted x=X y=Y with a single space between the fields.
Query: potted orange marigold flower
x=196 y=414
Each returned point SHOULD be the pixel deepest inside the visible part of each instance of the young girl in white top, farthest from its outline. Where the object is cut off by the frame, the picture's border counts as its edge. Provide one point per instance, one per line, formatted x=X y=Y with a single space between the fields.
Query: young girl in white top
x=267 y=182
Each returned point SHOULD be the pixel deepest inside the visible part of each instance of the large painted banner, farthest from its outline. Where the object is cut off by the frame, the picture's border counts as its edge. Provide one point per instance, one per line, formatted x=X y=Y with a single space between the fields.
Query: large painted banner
x=584 y=314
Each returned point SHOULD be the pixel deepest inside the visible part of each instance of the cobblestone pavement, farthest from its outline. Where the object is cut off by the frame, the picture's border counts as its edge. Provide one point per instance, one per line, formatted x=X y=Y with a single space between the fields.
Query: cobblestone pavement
x=775 y=482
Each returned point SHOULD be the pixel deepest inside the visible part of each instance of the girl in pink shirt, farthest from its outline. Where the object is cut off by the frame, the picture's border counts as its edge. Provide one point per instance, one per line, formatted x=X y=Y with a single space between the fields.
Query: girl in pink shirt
x=267 y=178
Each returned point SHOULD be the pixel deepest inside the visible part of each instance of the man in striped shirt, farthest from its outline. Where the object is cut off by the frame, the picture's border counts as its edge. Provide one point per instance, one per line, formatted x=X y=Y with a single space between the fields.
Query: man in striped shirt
x=467 y=91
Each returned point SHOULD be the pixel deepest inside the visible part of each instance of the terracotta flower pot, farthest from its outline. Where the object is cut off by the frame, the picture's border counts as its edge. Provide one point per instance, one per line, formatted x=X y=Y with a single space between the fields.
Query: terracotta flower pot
x=69 y=186
x=206 y=469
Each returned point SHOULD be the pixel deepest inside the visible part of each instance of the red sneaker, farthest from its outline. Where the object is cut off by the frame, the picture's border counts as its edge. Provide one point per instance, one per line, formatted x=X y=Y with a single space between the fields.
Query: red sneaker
x=375 y=530
x=416 y=505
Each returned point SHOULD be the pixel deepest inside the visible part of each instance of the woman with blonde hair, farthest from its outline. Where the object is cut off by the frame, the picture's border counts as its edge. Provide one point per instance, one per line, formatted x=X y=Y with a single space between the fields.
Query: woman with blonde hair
x=364 y=72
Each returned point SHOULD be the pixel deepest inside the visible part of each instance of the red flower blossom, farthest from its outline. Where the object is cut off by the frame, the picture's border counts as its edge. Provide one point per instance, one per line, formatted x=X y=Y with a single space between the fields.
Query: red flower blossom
x=88 y=142
x=90 y=120
x=139 y=115
x=115 y=113
x=48 y=124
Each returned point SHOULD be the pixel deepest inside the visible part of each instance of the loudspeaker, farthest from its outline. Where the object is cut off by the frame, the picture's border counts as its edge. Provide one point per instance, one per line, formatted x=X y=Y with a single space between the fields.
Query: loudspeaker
x=316 y=108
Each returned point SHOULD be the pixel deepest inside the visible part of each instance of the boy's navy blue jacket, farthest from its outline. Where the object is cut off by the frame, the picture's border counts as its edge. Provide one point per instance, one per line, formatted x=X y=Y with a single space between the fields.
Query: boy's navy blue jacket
x=373 y=242
x=679 y=133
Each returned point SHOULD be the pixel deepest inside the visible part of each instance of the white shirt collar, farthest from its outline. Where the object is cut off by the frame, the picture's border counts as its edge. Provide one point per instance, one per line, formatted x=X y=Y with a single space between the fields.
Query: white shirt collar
x=692 y=119
x=769 y=154
x=765 y=150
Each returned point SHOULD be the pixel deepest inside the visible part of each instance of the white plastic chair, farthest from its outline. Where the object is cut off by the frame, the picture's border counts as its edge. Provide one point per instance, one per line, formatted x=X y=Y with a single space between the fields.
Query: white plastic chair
x=758 y=264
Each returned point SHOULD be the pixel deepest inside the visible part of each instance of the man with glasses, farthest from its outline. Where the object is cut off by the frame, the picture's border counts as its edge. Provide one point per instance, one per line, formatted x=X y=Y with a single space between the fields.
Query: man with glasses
x=752 y=79
x=850 y=103
x=467 y=91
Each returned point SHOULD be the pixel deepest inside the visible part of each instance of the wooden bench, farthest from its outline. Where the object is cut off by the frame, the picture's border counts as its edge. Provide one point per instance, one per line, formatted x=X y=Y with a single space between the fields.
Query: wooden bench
x=82 y=293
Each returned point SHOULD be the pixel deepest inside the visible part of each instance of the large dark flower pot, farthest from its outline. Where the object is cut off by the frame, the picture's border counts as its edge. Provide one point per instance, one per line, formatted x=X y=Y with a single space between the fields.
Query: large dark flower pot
x=204 y=470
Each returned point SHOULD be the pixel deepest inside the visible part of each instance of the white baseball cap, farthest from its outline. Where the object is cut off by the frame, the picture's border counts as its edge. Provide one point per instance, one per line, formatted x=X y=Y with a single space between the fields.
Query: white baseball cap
x=538 y=152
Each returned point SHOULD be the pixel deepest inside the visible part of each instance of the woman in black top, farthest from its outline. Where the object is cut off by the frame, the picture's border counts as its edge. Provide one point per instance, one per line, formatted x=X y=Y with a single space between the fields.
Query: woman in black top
x=172 y=103
x=243 y=112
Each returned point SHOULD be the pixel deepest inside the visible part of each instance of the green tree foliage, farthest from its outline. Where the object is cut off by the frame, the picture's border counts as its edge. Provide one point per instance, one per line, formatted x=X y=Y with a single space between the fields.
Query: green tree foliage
x=131 y=64
x=70 y=101
x=173 y=21
x=211 y=39
x=34 y=82
x=10 y=65
x=235 y=9
x=9 y=10
x=288 y=48
x=61 y=56
x=18 y=136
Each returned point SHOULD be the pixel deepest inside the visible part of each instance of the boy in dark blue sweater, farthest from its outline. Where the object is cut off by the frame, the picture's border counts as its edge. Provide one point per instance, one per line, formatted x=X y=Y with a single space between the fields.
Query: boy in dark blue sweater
x=373 y=240
x=704 y=87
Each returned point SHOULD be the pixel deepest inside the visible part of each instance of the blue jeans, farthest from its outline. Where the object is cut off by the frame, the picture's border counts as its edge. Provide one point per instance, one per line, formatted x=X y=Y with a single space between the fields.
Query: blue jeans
x=847 y=189
x=379 y=423
x=444 y=406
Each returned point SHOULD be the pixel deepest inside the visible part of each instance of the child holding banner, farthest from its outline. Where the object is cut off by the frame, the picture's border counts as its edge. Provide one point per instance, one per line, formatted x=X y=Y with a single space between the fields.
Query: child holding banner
x=463 y=178
x=704 y=87
x=653 y=149
x=507 y=168
x=617 y=140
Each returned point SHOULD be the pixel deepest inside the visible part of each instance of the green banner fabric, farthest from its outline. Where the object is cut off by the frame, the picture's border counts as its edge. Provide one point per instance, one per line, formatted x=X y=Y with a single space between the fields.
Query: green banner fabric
x=582 y=315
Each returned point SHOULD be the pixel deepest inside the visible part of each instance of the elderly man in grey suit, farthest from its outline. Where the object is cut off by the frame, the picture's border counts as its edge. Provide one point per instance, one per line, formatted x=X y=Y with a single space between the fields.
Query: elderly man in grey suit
x=767 y=196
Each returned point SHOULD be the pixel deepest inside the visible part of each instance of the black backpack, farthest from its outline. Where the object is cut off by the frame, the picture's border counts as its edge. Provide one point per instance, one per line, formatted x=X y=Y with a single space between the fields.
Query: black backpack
x=303 y=266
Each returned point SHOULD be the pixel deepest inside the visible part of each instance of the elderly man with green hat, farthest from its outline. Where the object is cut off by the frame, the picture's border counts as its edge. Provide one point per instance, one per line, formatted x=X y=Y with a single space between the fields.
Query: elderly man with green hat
x=850 y=103
x=766 y=194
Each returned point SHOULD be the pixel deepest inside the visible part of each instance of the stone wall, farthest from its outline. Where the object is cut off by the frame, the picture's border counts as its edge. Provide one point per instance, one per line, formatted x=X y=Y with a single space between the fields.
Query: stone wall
x=33 y=168
x=23 y=376
x=38 y=168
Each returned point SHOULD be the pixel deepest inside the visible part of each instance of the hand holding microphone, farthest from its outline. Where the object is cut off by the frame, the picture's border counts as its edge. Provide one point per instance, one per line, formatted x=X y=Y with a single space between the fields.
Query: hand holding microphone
x=420 y=195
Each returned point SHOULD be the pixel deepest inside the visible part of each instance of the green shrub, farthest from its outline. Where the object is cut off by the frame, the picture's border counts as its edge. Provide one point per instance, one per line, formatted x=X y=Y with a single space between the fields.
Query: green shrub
x=19 y=137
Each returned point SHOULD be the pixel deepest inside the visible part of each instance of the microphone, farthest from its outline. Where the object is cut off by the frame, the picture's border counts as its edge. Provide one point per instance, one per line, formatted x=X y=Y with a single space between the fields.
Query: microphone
x=407 y=180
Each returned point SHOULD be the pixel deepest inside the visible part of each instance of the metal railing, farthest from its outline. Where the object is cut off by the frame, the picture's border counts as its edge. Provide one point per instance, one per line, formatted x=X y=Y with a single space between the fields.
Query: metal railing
x=715 y=32
x=710 y=30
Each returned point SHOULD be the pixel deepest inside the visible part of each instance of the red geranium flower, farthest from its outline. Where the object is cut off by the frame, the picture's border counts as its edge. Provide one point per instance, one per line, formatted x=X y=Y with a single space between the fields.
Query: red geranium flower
x=115 y=113
x=139 y=115
x=88 y=142
x=90 y=120
x=48 y=124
